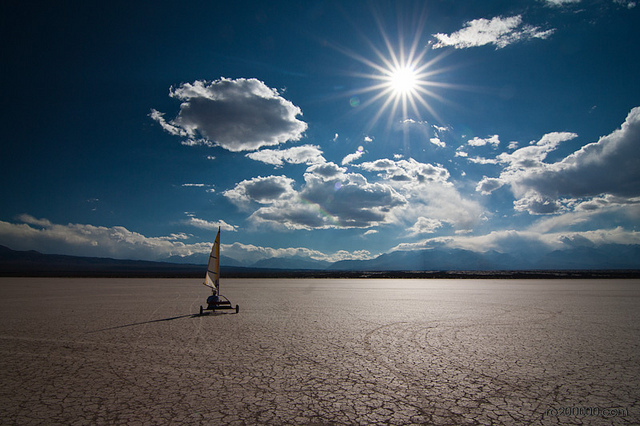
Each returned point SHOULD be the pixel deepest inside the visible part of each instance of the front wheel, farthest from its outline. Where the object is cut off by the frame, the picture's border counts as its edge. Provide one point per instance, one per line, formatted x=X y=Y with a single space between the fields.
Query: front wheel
x=200 y=309
x=237 y=309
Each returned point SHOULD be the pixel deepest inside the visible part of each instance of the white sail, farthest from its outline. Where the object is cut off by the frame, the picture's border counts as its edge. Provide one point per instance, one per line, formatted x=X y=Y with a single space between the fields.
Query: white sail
x=212 y=278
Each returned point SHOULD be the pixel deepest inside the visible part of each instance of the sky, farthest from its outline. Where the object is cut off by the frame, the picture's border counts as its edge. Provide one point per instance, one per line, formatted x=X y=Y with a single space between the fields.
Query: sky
x=329 y=130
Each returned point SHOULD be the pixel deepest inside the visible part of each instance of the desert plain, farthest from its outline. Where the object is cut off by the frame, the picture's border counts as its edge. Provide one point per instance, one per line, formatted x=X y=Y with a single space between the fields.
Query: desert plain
x=84 y=351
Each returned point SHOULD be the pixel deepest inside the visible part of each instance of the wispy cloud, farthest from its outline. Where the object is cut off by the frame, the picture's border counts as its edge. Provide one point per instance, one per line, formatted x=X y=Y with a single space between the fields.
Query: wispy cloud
x=498 y=31
x=250 y=253
x=437 y=142
x=561 y=2
x=238 y=115
x=352 y=157
x=304 y=154
x=211 y=225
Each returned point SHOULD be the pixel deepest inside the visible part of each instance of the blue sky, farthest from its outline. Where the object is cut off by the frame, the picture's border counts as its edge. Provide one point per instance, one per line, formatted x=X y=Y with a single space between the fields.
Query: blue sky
x=324 y=129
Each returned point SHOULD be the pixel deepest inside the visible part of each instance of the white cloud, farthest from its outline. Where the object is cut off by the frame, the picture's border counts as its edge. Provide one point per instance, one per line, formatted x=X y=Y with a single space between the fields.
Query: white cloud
x=425 y=226
x=437 y=142
x=263 y=190
x=327 y=171
x=561 y=2
x=119 y=242
x=238 y=115
x=610 y=166
x=527 y=241
x=368 y=139
x=492 y=140
x=329 y=198
x=205 y=224
x=626 y=3
x=488 y=185
x=428 y=192
x=498 y=31
x=304 y=154
x=482 y=160
x=250 y=253
x=406 y=171
x=90 y=240
x=352 y=157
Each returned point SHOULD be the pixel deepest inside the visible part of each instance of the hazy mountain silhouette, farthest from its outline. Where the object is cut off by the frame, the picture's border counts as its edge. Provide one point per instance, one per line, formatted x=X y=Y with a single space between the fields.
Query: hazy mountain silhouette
x=606 y=257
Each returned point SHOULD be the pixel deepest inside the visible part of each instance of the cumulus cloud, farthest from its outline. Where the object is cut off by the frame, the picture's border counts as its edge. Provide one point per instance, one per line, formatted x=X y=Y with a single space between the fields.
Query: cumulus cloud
x=527 y=241
x=425 y=225
x=263 y=190
x=609 y=166
x=407 y=171
x=304 y=154
x=119 y=242
x=238 y=115
x=90 y=240
x=329 y=198
x=498 y=31
x=351 y=199
x=327 y=170
x=492 y=140
x=428 y=192
x=487 y=185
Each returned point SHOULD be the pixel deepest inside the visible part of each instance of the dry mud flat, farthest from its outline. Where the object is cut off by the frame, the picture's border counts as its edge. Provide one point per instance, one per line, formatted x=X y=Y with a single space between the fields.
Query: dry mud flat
x=324 y=351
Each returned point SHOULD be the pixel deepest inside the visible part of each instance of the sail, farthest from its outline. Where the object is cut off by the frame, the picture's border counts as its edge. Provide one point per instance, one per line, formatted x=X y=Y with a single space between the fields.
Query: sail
x=212 y=278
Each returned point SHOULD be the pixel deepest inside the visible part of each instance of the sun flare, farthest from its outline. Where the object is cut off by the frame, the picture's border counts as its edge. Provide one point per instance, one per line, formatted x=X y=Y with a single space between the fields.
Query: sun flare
x=404 y=74
x=403 y=80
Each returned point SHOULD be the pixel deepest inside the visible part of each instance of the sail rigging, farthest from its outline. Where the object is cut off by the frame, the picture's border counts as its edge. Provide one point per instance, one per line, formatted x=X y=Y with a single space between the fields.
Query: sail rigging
x=212 y=278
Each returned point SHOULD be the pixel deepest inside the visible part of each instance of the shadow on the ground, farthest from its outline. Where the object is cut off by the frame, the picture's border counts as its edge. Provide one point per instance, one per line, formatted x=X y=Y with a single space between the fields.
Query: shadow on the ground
x=149 y=322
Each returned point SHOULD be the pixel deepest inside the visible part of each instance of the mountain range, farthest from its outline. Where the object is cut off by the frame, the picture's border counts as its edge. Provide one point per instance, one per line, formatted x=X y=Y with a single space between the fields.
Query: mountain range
x=607 y=257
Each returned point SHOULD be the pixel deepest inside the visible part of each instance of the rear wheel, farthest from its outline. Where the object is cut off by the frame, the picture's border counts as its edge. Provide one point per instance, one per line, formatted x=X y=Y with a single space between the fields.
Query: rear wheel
x=237 y=309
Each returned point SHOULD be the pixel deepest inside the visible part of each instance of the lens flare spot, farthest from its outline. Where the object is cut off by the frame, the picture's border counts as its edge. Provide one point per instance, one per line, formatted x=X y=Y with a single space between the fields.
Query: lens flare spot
x=354 y=101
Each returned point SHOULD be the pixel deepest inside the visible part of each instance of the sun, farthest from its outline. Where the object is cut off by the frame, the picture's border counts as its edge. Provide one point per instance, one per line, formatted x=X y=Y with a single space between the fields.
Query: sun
x=403 y=81
x=404 y=74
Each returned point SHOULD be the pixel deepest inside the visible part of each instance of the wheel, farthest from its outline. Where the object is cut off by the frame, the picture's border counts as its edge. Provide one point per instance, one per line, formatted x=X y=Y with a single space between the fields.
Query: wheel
x=237 y=309
x=201 y=310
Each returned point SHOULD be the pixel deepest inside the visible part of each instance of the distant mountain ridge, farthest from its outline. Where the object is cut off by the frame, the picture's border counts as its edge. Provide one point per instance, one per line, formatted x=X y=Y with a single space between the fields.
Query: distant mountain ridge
x=611 y=256
x=606 y=257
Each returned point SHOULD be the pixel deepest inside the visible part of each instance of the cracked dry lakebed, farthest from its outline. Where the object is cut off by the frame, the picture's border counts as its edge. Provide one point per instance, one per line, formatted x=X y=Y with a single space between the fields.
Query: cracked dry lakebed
x=87 y=351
